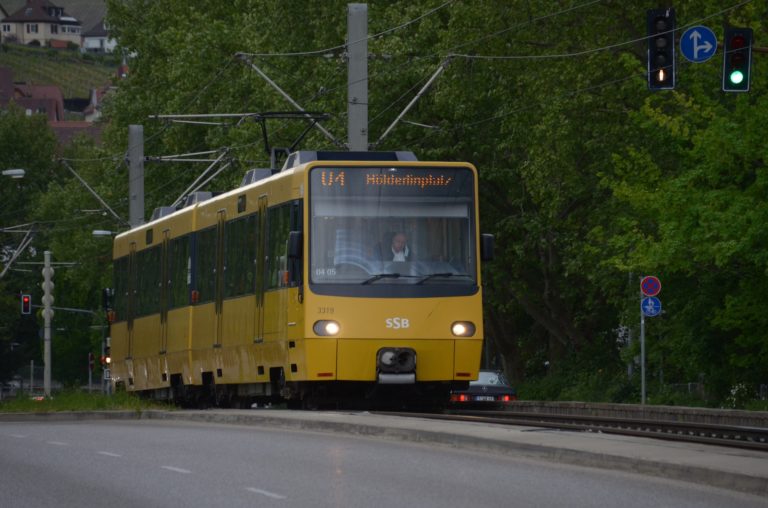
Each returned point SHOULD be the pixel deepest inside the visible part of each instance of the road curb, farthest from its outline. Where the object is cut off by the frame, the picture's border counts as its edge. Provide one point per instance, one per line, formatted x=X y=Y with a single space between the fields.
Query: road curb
x=320 y=422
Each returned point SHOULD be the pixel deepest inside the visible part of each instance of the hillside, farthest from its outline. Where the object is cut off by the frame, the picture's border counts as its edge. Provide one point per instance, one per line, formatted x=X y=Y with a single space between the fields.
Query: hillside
x=74 y=73
x=88 y=12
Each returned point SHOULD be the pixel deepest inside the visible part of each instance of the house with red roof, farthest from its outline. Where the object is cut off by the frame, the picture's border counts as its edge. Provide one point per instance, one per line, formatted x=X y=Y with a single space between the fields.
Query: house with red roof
x=43 y=99
x=48 y=100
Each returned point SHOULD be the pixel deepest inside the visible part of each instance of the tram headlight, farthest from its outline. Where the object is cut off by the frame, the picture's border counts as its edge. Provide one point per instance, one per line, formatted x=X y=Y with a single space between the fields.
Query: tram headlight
x=463 y=329
x=326 y=328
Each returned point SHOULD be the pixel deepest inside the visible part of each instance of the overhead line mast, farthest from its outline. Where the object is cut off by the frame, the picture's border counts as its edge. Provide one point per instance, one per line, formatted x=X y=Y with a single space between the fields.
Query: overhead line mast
x=357 y=77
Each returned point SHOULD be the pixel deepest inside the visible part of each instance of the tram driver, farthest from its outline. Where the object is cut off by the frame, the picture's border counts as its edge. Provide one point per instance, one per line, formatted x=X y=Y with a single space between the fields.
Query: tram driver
x=396 y=250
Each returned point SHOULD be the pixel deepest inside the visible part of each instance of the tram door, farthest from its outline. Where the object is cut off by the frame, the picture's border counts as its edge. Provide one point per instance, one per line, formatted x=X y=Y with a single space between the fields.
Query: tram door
x=165 y=283
x=132 y=297
x=261 y=252
x=219 y=279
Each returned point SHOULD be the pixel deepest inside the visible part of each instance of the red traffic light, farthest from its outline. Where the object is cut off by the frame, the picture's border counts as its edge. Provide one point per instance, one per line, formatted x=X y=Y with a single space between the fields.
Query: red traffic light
x=26 y=304
x=738 y=41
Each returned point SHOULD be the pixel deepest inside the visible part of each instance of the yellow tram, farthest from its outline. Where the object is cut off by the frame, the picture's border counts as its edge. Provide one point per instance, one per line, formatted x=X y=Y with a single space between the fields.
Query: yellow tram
x=290 y=287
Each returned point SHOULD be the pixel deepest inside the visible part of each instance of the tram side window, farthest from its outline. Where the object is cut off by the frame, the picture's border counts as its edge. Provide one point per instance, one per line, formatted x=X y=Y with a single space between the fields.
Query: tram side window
x=240 y=254
x=148 y=271
x=278 y=227
x=120 y=270
x=179 y=271
x=205 y=265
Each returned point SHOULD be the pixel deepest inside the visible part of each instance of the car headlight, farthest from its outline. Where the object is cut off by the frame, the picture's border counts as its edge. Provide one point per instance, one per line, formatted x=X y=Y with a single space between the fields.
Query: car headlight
x=463 y=329
x=326 y=328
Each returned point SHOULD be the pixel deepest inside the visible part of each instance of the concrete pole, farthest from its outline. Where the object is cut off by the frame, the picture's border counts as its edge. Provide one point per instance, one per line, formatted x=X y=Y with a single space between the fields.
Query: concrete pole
x=47 y=317
x=357 y=76
x=136 y=175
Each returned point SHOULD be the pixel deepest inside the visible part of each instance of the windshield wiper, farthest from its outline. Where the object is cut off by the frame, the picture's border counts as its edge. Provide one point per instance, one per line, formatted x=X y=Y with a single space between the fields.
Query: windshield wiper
x=446 y=274
x=381 y=276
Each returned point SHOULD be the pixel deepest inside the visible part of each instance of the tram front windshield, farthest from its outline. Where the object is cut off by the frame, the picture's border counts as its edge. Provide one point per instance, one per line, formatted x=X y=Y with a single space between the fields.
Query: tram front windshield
x=393 y=226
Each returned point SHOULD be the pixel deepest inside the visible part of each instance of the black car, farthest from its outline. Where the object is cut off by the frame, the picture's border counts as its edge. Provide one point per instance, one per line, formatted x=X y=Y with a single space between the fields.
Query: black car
x=491 y=390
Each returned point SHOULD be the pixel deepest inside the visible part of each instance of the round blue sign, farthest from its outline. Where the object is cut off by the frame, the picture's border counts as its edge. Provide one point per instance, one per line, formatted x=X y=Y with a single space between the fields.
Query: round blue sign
x=651 y=306
x=698 y=44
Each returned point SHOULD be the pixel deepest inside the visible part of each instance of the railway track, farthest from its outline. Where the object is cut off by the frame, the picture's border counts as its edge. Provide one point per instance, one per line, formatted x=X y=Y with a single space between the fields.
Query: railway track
x=749 y=438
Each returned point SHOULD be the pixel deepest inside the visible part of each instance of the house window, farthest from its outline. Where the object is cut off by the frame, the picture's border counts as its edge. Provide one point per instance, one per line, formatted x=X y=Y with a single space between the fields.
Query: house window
x=32 y=28
x=54 y=29
x=6 y=28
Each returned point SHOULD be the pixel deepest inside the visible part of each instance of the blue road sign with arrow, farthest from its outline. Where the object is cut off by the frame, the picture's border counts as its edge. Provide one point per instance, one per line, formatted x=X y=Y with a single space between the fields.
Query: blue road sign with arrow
x=651 y=306
x=698 y=44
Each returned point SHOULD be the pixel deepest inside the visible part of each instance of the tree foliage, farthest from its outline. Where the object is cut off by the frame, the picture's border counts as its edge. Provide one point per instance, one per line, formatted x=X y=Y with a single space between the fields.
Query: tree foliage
x=588 y=180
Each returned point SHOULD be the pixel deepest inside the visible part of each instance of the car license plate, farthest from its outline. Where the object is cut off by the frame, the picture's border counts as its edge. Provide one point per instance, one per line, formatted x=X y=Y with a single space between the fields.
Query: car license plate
x=484 y=398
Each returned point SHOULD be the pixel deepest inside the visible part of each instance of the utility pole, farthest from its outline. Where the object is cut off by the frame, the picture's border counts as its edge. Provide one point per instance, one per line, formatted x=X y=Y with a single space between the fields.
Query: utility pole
x=357 y=77
x=136 y=175
x=47 y=316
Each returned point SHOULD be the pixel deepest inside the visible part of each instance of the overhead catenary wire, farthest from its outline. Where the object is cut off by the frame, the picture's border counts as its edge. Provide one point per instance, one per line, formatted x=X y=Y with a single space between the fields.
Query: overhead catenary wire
x=93 y=192
x=288 y=98
x=437 y=73
x=530 y=106
x=369 y=77
x=593 y=50
x=349 y=43
x=17 y=252
x=567 y=55
x=182 y=157
x=498 y=33
x=451 y=52
x=442 y=56
x=197 y=181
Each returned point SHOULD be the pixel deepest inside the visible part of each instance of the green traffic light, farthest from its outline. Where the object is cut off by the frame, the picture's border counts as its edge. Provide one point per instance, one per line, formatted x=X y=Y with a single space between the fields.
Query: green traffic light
x=736 y=77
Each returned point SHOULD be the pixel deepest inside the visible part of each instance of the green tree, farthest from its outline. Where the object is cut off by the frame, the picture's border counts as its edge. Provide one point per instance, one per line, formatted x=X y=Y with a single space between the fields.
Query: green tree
x=26 y=143
x=588 y=180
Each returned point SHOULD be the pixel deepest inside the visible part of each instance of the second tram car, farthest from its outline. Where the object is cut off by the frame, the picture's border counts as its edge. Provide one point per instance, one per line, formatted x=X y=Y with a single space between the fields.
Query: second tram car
x=287 y=288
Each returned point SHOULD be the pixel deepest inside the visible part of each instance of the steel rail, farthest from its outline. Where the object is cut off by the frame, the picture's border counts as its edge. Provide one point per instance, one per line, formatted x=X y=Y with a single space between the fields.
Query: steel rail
x=749 y=438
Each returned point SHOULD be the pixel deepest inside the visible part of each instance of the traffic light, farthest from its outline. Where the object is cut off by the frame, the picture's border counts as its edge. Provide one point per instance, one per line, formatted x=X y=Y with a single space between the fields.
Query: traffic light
x=106 y=358
x=26 y=304
x=661 y=49
x=737 y=59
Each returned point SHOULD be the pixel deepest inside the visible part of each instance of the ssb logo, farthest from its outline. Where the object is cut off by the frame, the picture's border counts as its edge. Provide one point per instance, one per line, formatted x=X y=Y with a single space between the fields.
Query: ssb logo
x=398 y=322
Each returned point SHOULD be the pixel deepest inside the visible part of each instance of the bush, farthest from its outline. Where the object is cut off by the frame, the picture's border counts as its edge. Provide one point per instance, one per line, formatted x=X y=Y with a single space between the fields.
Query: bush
x=668 y=395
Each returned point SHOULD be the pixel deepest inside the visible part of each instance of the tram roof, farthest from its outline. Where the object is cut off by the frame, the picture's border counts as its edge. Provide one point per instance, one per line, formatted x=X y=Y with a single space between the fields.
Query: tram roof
x=305 y=156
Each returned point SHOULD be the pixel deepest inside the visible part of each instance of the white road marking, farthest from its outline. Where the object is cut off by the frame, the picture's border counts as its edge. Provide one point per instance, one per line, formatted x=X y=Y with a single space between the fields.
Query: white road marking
x=57 y=443
x=177 y=469
x=19 y=436
x=265 y=493
x=109 y=454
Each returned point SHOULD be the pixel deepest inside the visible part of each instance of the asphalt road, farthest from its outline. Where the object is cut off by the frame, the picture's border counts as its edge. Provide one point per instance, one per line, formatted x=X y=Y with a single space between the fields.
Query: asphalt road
x=166 y=464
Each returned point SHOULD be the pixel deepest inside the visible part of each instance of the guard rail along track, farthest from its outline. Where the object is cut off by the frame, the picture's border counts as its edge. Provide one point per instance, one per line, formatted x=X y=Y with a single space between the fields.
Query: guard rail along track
x=735 y=429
